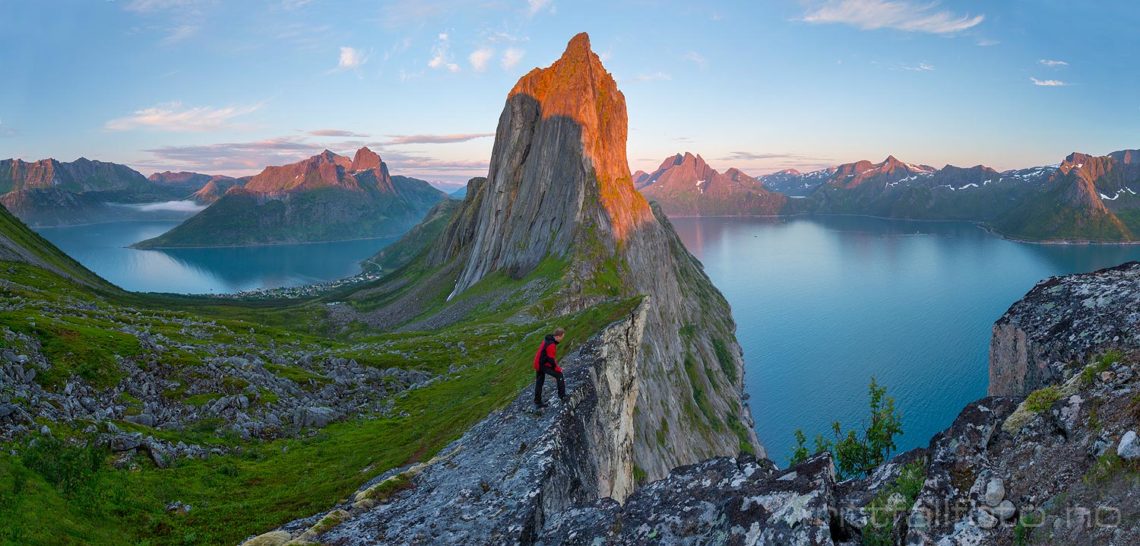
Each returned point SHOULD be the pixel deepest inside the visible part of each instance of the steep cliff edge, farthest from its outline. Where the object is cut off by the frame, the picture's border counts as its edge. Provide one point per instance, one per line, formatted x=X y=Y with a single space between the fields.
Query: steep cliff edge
x=1061 y=320
x=559 y=188
x=1061 y=466
x=504 y=478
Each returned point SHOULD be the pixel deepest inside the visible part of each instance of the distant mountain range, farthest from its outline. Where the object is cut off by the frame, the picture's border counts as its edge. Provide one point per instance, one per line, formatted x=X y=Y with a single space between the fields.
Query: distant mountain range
x=1084 y=198
x=326 y=197
x=49 y=192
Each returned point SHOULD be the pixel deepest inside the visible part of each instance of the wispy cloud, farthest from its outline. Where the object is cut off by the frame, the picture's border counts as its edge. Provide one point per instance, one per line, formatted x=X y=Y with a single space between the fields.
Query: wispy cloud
x=232 y=156
x=1048 y=83
x=351 y=58
x=6 y=131
x=895 y=14
x=986 y=42
x=179 y=33
x=920 y=67
x=441 y=55
x=175 y=118
x=335 y=133
x=435 y=139
x=652 y=77
x=511 y=57
x=241 y=158
x=696 y=58
x=1052 y=63
x=535 y=6
x=145 y=6
x=480 y=57
x=752 y=156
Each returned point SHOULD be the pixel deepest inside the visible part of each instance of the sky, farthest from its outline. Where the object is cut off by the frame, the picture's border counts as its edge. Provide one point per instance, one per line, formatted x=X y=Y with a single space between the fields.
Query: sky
x=230 y=87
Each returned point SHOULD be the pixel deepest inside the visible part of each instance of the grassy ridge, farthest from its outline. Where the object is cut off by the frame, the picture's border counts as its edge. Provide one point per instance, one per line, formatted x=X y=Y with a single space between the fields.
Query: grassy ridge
x=13 y=232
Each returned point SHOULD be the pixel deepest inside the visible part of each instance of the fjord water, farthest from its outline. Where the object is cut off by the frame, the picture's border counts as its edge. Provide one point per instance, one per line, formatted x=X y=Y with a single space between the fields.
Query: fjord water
x=824 y=304
x=103 y=249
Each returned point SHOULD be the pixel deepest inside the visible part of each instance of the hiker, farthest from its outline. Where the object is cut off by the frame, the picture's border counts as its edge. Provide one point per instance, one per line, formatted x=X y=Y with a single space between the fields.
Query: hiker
x=545 y=364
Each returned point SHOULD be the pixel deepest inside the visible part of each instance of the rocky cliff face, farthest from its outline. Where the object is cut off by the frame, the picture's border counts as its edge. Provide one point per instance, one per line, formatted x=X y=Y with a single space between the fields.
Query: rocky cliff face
x=559 y=187
x=1060 y=321
x=557 y=170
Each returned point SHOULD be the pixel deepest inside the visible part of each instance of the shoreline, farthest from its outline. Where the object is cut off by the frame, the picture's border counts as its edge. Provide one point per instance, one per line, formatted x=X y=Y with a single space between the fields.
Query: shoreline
x=978 y=223
x=393 y=237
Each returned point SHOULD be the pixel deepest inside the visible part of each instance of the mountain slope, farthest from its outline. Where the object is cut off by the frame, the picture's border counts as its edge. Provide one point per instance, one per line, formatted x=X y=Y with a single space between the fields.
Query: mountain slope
x=327 y=197
x=20 y=244
x=559 y=187
x=685 y=185
x=1072 y=207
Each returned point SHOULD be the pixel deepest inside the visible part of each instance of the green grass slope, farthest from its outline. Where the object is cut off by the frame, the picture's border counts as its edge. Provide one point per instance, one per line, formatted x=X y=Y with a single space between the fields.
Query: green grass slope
x=62 y=490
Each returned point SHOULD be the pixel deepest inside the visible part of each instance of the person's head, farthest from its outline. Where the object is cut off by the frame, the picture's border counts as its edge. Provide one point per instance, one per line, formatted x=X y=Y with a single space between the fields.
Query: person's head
x=559 y=333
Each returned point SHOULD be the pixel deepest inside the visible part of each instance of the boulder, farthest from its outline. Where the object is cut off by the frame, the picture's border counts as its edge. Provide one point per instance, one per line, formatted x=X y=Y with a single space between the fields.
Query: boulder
x=995 y=492
x=1129 y=447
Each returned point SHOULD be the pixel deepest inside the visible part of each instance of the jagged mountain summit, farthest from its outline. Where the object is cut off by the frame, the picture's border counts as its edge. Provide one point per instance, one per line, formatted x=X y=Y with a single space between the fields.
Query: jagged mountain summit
x=685 y=185
x=327 y=197
x=559 y=188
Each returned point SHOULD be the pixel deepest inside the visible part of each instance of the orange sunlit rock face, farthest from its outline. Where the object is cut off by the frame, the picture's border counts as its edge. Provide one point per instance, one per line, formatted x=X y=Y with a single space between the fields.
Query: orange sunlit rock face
x=578 y=87
x=325 y=169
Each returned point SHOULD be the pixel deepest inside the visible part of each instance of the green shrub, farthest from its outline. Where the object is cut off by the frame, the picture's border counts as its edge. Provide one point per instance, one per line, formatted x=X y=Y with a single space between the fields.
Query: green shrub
x=1101 y=364
x=881 y=524
x=70 y=469
x=1024 y=527
x=856 y=455
x=1042 y=399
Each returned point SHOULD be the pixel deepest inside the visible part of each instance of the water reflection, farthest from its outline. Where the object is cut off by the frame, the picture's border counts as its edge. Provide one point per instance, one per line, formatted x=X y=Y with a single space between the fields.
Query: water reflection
x=823 y=304
x=103 y=249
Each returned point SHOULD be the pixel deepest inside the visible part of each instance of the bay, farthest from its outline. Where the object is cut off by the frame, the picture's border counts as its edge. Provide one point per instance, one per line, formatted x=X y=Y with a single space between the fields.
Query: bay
x=823 y=304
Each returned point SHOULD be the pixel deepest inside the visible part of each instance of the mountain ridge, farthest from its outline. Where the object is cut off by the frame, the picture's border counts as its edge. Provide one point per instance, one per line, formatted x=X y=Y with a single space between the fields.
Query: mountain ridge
x=326 y=197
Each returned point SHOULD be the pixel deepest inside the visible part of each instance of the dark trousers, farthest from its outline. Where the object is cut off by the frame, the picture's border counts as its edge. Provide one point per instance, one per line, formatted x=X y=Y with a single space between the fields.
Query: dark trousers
x=540 y=378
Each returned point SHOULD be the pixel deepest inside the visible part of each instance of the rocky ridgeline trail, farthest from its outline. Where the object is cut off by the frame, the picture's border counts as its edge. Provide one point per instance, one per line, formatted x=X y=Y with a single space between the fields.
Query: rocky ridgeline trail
x=505 y=477
x=1059 y=466
x=161 y=375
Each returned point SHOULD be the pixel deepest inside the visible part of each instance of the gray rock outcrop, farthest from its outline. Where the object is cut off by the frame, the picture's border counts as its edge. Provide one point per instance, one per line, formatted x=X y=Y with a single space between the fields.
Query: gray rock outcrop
x=1061 y=320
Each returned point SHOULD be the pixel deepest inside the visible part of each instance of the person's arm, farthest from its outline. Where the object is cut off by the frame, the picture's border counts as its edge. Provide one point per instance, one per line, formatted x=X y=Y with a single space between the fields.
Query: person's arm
x=550 y=352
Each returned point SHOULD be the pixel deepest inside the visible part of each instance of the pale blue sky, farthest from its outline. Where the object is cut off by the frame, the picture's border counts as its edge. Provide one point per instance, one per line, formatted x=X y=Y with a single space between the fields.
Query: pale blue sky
x=228 y=87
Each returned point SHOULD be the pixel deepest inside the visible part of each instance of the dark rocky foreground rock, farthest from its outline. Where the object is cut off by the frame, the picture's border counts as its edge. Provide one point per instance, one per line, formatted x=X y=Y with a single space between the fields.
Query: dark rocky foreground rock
x=1061 y=320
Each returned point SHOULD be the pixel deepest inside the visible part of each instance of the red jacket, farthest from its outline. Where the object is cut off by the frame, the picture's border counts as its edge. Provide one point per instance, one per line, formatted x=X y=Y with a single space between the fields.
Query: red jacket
x=545 y=354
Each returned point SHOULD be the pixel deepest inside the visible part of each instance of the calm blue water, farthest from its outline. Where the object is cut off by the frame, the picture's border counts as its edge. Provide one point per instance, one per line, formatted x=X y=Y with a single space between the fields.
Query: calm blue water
x=821 y=305
x=102 y=248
